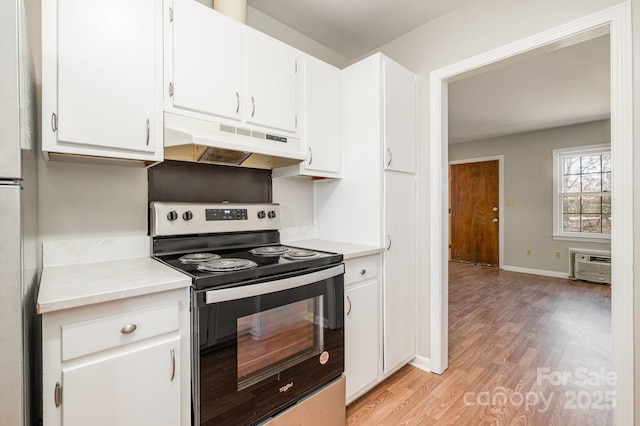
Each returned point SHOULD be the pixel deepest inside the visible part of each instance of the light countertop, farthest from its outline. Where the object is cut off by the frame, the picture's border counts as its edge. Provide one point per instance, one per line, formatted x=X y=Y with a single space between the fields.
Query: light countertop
x=348 y=250
x=68 y=285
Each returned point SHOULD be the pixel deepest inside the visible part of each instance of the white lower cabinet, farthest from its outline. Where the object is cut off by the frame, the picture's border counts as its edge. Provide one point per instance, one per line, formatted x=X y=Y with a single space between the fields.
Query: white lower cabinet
x=124 y=362
x=137 y=386
x=362 y=325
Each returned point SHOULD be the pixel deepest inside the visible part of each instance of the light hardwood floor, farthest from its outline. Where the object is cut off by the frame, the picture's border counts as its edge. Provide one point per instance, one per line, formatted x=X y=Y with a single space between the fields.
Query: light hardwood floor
x=523 y=350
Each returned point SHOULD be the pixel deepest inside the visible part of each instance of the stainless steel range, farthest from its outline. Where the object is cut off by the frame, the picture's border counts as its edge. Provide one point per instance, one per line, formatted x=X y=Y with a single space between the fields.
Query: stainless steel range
x=268 y=319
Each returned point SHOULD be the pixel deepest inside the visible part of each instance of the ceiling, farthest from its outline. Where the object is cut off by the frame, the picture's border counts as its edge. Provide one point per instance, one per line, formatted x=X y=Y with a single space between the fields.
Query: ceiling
x=558 y=88
x=355 y=27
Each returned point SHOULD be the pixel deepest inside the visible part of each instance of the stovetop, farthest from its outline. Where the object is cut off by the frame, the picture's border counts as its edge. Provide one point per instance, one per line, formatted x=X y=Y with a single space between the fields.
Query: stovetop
x=267 y=266
x=230 y=230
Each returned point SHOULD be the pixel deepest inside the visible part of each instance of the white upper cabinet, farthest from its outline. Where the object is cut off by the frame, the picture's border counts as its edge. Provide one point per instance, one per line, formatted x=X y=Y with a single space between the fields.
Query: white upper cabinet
x=206 y=61
x=101 y=78
x=399 y=103
x=319 y=121
x=322 y=118
x=220 y=70
x=271 y=70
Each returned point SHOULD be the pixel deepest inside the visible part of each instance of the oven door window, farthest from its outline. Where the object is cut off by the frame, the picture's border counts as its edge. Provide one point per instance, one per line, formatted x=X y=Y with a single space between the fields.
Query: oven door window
x=271 y=341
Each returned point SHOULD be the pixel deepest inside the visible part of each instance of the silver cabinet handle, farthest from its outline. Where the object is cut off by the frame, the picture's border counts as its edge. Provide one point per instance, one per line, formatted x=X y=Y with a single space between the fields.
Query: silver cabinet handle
x=494 y=220
x=54 y=122
x=148 y=130
x=237 y=102
x=57 y=394
x=128 y=329
x=349 y=311
x=390 y=156
x=362 y=272
x=253 y=105
x=310 y=156
x=173 y=362
x=389 y=246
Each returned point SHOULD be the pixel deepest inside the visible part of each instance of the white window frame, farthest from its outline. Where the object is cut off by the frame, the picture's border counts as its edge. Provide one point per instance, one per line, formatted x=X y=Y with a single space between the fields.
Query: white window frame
x=558 y=233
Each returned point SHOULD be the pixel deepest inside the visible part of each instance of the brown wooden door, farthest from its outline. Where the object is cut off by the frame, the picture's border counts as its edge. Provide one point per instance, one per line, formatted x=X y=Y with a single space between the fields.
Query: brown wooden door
x=473 y=213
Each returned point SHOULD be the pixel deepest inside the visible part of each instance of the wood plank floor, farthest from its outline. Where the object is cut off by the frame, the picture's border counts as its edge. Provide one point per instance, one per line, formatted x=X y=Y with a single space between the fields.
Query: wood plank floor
x=523 y=350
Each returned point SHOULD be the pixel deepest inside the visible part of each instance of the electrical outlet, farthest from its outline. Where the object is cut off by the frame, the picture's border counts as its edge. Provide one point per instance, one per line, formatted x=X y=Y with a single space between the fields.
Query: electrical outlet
x=510 y=201
x=557 y=255
x=529 y=252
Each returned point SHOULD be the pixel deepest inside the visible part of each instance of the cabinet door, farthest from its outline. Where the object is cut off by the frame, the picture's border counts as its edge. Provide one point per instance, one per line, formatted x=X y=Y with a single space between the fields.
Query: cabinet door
x=137 y=387
x=399 y=117
x=108 y=54
x=362 y=347
x=207 y=60
x=399 y=270
x=271 y=82
x=322 y=116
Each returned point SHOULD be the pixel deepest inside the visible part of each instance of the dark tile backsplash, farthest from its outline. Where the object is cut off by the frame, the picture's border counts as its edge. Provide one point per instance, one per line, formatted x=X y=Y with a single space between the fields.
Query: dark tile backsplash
x=197 y=182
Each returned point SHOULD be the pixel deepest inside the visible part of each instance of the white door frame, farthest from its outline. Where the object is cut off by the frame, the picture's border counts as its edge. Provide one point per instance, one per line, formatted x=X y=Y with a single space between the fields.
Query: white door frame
x=618 y=21
x=500 y=159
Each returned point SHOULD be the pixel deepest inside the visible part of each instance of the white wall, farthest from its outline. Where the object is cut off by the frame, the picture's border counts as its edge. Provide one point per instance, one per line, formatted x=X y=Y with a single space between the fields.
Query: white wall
x=528 y=179
x=295 y=196
x=468 y=31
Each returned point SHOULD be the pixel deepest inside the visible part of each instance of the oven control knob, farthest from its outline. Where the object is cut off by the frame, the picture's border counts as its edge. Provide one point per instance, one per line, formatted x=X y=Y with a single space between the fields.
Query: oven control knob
x=261 y=214
x=272 y=214
x=171 y=216
x=187 y=215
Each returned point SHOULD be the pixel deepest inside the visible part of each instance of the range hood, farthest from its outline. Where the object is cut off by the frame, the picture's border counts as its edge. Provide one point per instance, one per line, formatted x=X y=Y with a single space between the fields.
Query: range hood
x=197 y=140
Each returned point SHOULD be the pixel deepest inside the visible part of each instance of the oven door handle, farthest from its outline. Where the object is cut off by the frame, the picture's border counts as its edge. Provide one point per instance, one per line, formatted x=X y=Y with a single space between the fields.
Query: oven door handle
x=234 y=293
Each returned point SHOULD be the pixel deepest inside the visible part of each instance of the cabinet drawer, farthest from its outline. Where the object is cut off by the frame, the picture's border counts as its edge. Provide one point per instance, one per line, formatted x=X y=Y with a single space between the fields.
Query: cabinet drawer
x=360 y=271
x=92 y=336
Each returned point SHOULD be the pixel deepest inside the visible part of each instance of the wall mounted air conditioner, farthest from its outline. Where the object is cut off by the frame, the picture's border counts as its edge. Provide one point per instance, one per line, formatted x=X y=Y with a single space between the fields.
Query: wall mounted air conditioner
x=591 y=267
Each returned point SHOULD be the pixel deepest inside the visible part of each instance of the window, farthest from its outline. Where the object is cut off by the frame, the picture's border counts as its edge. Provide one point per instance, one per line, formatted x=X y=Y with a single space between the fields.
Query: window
x=582 y=192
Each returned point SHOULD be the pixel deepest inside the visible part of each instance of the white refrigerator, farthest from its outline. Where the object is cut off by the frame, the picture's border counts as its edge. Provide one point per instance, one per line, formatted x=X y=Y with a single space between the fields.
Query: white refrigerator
x=19 y=270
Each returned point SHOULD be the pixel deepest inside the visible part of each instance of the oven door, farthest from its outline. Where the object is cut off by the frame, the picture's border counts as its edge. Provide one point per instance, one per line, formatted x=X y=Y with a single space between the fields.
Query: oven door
x=263 y=346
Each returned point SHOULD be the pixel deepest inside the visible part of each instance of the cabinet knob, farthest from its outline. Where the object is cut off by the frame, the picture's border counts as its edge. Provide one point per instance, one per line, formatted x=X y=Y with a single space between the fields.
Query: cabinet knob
x=128 y=329
x=363 y=271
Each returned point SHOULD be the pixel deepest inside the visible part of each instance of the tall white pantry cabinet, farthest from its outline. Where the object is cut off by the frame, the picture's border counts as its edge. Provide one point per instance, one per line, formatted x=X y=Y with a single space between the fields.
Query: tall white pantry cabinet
x=375 y=202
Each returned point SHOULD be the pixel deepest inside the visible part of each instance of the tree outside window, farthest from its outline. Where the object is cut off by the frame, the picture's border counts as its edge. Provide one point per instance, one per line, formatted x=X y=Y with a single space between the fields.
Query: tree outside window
x=583 y=192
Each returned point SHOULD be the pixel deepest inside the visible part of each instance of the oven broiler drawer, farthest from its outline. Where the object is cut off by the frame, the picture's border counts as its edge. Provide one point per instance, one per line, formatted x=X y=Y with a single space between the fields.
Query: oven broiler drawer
x=87 y=337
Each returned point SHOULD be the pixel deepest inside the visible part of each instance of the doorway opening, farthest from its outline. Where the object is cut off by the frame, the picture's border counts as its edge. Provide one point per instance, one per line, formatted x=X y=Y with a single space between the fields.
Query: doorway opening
x=617 y=21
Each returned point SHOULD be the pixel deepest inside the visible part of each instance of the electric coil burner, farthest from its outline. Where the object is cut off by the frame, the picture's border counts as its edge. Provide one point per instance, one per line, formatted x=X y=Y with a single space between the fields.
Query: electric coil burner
x=267 y=319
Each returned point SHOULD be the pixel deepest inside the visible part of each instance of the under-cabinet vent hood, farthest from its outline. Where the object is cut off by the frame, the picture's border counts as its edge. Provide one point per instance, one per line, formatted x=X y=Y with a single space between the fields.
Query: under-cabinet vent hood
x=197 y=140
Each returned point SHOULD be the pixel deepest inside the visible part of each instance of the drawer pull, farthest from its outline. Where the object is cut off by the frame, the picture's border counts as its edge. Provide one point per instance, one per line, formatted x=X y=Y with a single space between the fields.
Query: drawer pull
x=349 y=311
x=362 y=272
x=128 y=329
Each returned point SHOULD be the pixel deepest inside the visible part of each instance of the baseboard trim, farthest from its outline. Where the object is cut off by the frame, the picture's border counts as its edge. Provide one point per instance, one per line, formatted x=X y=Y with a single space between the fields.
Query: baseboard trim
x=545 y=273
x=422 y=362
